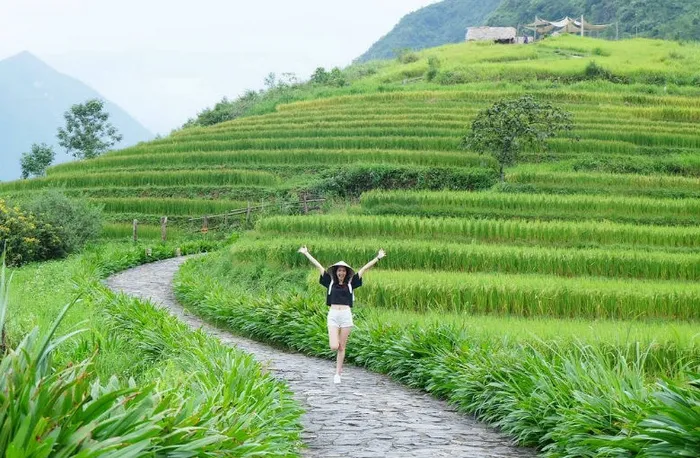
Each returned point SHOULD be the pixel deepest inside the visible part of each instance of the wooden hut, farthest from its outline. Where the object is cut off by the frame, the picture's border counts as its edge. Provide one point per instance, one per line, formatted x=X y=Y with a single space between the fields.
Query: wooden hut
x=505 y=35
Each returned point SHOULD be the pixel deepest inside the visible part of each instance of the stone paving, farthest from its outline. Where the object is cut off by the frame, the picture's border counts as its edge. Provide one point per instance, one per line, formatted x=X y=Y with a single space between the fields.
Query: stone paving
x=367 y=415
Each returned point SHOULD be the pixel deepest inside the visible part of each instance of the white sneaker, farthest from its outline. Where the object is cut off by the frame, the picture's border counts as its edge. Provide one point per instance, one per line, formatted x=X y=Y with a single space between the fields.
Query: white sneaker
x=336 y=379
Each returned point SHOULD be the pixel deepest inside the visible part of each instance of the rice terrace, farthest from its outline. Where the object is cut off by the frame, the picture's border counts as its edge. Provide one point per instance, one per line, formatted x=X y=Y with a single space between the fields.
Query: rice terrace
x=547 y=305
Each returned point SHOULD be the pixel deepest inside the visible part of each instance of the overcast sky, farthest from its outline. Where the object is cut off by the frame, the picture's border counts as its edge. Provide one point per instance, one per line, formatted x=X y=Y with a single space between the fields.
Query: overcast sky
x=164 y=60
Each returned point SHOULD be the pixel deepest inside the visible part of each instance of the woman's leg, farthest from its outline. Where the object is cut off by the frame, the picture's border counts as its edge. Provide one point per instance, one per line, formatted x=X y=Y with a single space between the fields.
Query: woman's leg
x=334 y=337
x=344 y=334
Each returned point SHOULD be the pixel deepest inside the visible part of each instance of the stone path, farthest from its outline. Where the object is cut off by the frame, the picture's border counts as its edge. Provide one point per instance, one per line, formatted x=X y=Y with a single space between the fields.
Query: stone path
x=367 y=415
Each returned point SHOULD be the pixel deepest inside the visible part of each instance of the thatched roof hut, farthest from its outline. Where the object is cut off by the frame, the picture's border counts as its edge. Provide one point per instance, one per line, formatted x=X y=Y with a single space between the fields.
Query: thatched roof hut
x=495 y=34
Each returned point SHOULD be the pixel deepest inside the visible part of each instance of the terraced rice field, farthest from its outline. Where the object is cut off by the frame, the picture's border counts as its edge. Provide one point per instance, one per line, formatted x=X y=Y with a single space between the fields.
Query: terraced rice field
x=594 y=243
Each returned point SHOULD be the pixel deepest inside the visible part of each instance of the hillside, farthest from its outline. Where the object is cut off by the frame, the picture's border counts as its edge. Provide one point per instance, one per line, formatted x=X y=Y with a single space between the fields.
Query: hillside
x=435 y=25
x=33 y=98
x=446 y=22
x=575 y=283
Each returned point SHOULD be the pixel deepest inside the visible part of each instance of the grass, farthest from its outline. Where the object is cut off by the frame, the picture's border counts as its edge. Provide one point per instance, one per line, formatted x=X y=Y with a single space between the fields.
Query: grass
x=539 y=391
x=543 y=233
x=535 y=206
x=161 y=383
x=530 y=295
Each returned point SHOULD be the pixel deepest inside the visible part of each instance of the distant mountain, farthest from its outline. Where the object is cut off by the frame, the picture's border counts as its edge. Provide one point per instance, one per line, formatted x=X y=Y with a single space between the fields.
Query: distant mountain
x=33 y=98
x=447 y=21
x=434 y=25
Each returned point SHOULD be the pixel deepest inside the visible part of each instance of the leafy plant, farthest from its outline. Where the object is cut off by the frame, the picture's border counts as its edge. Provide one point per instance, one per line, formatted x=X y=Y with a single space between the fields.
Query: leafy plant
x=37 y=161
x=507 y=128
x=88 y=132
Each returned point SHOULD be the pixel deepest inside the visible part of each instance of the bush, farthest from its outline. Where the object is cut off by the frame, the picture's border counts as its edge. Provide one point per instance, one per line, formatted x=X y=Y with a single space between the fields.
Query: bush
x=433 y=68
x=353 y=181
x=450 y=77
x=26 y=238
x=75 y=220
x=407 y=56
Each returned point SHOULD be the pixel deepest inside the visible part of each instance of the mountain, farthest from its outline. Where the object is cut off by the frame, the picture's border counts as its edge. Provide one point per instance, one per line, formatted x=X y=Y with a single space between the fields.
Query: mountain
x=434 y=25
x=446 y=22
x=670 y=19
x=33 y=98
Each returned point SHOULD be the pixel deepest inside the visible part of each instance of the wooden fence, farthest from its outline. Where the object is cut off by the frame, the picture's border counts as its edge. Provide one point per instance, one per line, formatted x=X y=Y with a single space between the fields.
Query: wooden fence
x=307 y=205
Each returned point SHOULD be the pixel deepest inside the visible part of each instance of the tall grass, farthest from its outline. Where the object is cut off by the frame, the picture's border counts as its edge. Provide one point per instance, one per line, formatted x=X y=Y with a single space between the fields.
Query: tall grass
x=557 y=233
x=166 y=207
x=272 y=157
x=529 y=295
x=537 y=206
x=555 y=395
x=594 y=183
x=478 y=258
x=133 y=178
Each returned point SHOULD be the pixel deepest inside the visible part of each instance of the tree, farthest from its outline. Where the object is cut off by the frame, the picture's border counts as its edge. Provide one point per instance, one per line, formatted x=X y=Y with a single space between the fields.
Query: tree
x=88 y=133
x=508 y=127
x=37 y=161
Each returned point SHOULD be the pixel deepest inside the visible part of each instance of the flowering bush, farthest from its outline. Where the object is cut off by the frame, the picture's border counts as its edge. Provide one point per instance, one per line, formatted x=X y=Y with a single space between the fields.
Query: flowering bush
x=26 y=238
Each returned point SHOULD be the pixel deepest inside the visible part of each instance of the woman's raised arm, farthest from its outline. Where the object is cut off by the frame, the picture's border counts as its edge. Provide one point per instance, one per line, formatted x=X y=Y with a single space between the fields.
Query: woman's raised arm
x=305 y=251
x=371 y=264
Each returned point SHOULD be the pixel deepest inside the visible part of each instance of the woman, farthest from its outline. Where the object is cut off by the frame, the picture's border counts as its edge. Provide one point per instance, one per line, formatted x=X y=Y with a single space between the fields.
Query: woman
x=340 y=282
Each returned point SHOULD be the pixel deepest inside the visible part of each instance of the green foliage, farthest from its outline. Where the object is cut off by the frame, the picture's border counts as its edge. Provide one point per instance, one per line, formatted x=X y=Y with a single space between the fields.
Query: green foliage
x=435 y=25
x=27 y=238
x=433 y=68
x=178 y=406
x=37 y=161
x=671 y=20
x=226 y=110
x=334 y=78
x=406 y=56
x=352 y=181
x=559 y=395
x=507 y=128
x=76 y=220
x=88 y=132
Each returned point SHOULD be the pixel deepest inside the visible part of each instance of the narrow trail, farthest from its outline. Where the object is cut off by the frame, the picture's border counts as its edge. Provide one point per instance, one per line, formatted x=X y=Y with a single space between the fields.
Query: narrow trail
x=367 y=415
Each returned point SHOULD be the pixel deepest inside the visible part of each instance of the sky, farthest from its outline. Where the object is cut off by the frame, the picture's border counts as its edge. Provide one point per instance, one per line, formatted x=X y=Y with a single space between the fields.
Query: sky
x=165 y=60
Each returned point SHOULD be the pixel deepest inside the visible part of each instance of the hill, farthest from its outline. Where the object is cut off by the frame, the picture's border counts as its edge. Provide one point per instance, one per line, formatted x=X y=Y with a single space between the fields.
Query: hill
x=446 y=22
x=33 y=98
x=434 y=25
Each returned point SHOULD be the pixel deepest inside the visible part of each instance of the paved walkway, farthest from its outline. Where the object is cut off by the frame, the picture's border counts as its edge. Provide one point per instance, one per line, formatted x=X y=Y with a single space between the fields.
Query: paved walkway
x=367 y=415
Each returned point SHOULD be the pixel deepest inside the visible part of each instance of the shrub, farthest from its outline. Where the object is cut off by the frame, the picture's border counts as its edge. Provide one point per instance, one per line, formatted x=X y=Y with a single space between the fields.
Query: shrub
x=353 y=181
x=433 y=68
x=407 y=56
x=75 y=220
x=26 y=238
x=449 y=78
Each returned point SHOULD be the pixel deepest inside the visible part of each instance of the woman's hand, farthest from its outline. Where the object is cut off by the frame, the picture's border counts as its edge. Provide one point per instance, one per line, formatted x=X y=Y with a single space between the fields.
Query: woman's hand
x=381 y=254
x=303 y=250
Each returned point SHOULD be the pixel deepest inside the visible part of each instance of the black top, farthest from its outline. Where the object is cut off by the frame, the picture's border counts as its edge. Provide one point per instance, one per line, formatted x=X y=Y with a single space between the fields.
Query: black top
x=340 y=294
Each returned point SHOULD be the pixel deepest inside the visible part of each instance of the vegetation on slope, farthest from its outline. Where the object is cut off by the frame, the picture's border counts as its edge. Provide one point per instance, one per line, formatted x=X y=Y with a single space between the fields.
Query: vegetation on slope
x=446 y=22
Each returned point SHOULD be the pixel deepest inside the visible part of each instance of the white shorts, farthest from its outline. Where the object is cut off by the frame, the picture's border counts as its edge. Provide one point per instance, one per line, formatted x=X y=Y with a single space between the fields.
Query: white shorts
x=340 y=318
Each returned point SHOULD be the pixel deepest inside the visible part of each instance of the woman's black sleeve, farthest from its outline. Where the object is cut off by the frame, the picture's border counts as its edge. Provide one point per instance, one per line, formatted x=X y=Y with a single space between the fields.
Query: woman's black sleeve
x=325 y=279
x=356 y=281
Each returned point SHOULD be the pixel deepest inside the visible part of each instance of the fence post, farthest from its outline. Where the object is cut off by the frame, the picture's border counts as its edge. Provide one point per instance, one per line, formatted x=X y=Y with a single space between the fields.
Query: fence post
x=247 y=214
x=136 y=230
x=205 y=224
x=306 y=204
x=164 y=228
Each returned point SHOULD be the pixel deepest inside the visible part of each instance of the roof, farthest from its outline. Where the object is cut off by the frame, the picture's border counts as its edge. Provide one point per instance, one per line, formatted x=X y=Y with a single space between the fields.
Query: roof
x=491 y=33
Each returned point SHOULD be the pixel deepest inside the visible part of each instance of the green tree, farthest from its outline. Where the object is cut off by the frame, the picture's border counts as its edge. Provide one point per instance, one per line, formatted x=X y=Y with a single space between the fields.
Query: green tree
x=508 y=127
x=37 y=161
x=88 y=132
x=320 y=76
